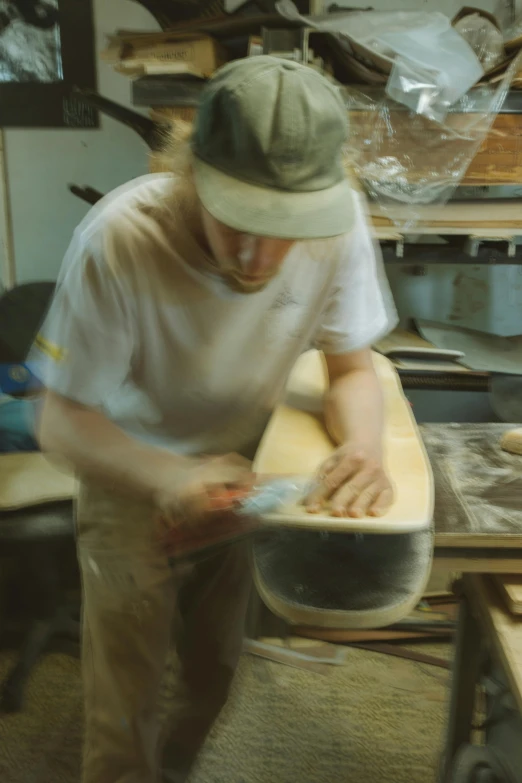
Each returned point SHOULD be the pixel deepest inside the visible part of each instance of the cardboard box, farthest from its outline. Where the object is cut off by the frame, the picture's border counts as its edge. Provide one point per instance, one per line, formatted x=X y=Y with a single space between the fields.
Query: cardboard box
x=164 y=53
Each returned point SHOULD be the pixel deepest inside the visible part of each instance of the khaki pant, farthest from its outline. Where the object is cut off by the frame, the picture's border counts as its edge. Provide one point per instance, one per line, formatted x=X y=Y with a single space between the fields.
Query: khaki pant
x=145 y=721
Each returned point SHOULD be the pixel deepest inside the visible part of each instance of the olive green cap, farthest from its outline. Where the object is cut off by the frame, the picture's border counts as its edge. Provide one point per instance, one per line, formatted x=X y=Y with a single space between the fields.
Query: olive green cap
x=268 y=144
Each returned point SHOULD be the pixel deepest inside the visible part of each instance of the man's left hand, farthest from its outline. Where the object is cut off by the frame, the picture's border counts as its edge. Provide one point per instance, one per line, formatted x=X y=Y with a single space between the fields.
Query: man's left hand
x=354 y=484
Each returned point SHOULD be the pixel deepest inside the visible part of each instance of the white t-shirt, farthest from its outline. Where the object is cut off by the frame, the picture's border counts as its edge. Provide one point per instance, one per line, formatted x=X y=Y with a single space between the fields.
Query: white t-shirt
x=173 y=356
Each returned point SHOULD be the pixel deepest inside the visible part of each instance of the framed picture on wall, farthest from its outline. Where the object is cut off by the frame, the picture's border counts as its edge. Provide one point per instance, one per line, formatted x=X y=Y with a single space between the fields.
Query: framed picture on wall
x=46 y=49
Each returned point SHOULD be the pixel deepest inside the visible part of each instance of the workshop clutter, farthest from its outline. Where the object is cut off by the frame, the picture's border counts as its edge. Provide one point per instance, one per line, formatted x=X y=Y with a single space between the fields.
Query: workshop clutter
x=138 y=54
x=432 y=101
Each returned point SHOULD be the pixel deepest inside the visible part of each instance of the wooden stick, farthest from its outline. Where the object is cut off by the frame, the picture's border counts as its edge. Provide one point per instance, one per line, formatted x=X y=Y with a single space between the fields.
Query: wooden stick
x=351 y=636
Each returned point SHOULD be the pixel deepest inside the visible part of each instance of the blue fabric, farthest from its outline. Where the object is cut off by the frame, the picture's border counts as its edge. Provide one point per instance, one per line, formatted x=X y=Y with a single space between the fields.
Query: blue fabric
x=17 y=425
x=19 y=378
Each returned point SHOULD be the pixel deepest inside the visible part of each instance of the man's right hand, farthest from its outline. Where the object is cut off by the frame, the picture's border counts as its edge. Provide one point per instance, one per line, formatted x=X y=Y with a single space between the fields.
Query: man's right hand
x=182 y=489
x=193 y=490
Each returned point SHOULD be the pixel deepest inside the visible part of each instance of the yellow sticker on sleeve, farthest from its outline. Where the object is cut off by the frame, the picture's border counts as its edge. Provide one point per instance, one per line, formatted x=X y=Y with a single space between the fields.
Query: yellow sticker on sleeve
x=50 y=349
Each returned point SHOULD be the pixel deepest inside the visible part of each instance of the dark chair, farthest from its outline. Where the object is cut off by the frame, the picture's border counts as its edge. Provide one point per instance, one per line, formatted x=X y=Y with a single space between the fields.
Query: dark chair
x=35 y=542
x=22 y=310
x=38 y=543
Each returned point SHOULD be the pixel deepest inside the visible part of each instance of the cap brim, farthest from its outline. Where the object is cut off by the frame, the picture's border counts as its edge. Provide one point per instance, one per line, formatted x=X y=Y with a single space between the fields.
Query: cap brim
x=286 y=215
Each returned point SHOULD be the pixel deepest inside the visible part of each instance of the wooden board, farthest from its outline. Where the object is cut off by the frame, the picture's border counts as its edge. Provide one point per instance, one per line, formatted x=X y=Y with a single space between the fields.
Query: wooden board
x=399 y=338
x=469 y=562
x=473 y=231
x=510 y=588
x=29 y=479
x=459 y=215
x=296 y=442
x=499 y=157
x=350 y=636
x=424 y=356
x=415 y=143
x=503 y=629
x=465 y=538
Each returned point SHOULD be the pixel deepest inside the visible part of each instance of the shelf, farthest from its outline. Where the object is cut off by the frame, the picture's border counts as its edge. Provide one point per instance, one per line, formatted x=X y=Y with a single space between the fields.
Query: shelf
x=489 y=253
x=512 y=103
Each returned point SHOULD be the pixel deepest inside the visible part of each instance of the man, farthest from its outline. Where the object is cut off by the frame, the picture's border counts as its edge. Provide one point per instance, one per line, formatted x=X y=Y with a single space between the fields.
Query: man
x=182 y=306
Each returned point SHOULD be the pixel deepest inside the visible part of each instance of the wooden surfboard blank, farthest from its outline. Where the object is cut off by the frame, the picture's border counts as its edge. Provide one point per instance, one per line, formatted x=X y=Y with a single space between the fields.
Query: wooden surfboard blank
x=296 y=442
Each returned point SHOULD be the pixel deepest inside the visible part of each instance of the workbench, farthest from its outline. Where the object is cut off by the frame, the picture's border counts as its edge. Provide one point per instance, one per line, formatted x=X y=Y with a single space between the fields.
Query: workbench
x=487 y=635
x=478 y=498
x=477 y=528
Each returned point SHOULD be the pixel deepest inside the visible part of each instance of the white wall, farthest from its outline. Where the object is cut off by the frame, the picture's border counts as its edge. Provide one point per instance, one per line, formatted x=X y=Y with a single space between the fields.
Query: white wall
x=41 y=163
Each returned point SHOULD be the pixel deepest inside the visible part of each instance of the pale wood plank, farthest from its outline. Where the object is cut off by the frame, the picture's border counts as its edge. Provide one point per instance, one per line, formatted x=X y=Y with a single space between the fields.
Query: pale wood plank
x=469 y=564
x=476 y=214
x=28 y=479
x=504 y=629
x=510 y=588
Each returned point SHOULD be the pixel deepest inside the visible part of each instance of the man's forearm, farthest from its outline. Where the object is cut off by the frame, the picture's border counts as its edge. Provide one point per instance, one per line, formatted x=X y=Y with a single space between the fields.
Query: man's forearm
x=97 y=449
x=354 y=409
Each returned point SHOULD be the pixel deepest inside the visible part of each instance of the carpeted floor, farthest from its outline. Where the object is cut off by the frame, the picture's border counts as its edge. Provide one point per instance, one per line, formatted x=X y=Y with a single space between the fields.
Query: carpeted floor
x=374 y=718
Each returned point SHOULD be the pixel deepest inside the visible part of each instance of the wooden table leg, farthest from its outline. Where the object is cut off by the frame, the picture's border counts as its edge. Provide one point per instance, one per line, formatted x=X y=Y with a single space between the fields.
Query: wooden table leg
x=466 y=670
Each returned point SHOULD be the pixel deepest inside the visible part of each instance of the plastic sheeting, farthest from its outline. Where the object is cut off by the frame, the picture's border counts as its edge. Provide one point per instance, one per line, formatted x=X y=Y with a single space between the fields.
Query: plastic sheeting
x=422 y=45
x=485 y=39
x=513 y=31
x=404 y=160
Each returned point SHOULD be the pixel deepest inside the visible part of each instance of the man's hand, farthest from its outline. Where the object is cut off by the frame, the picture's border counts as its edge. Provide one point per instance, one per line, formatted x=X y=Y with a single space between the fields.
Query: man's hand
x=189 y=493
x=354 y=484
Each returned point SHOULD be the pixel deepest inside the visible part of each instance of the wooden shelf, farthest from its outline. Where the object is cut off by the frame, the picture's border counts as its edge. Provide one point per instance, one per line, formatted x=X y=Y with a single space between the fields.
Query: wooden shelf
x=489 y=252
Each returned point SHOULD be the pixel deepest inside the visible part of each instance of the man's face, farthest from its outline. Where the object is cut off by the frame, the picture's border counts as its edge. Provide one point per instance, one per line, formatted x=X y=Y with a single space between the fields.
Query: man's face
x=246 y=262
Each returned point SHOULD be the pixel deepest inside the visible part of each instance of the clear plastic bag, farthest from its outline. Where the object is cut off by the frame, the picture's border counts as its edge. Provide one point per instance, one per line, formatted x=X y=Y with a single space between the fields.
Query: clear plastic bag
x=485 y=39
x=405 y=160
x=437 y=60
x=514 y=31
x=412 y=146
x=417 y=89
x=431 y=50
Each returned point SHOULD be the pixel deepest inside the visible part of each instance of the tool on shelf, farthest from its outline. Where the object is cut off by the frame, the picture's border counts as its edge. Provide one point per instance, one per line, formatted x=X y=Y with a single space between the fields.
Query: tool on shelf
x=152 y=133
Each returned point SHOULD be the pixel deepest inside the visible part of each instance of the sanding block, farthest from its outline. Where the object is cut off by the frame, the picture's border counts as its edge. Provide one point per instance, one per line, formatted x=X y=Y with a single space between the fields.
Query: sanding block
x=236 y=514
